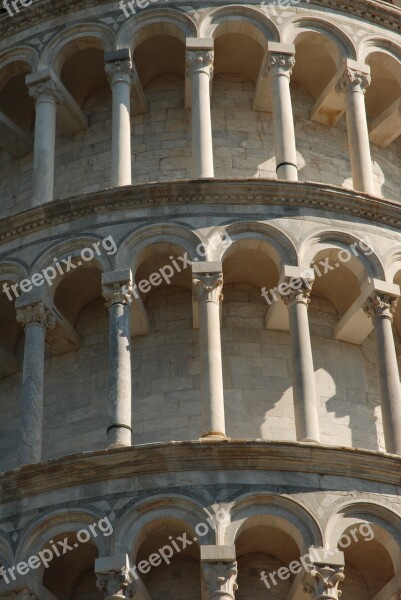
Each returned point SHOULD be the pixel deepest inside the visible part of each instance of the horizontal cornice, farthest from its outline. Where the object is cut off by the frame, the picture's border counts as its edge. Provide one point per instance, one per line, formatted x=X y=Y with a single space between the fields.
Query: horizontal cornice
x=246 y=192
x=375 y=11
x=175 y=457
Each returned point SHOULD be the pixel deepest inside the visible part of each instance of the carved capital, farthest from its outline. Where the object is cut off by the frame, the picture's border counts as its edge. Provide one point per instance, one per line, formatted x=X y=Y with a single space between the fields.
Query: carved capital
x=36 y=313
x=279 y=64
x=116 y=584
x=380 y=306
x=45 y=89
x=352 y=79
x=297 y=292
x=200 y=61
x=117 y=293
x=208 y=287
x=121 y=70
x=221 y=579
x=323 y=580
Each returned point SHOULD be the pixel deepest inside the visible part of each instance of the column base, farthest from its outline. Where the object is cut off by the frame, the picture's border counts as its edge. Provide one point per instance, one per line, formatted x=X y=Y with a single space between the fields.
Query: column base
x=213 y=435
x=118 y=445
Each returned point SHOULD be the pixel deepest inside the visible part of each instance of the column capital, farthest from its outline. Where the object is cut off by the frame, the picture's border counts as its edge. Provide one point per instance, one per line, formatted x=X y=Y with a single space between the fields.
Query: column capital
x=380 y=305
x=36 y=314
x=121 y=70
x=117 y=287
x=280 y=59
x=113 y=576
x=325 y=574
x=207 y=287
x=356 y=76
x=221 y=579
x=42 y=86
x=200 y=56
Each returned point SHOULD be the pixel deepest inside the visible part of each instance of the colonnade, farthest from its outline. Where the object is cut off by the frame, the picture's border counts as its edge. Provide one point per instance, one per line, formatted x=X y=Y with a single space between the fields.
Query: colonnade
x=118 y=578
x=295 y=289
x=277 y=67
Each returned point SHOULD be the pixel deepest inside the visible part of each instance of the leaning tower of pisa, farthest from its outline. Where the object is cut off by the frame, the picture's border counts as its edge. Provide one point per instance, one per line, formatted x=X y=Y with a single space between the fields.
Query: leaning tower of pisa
x=200 y=263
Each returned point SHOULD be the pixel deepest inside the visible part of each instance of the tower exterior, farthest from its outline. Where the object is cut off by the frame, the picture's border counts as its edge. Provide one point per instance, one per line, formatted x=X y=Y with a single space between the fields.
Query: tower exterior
x=200 y=263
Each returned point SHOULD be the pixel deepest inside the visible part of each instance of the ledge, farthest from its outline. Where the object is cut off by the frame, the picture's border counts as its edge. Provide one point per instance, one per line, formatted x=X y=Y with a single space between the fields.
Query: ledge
x=206 y=191
x=174 y=457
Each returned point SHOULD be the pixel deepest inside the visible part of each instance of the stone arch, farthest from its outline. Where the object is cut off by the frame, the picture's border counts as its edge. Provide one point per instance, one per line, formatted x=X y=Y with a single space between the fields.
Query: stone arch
x=283 y=247
x=73 y=39
x=382 y=516
x=378 y=44
x=133 y=245
x=299 y=25
x=133 y=525
x=370 y=264
x=71 y=248
x=160 y=21
x=287 y=514
x=58 y=523
x=6 y=553
x=22 y=59
x=235 y=19
x=13 y=271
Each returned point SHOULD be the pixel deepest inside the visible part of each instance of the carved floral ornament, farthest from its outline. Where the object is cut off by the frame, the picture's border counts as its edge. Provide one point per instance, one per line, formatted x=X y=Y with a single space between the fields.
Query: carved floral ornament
x=221 y=580
x=380 y=305
x=45 y=89
x=116 y=584
x=117 y=293
x=279 y=64
x=322 y=582
x=200 y=61
x=352 y=79
x=208 y=287
x=121 y=70
x=36 y=314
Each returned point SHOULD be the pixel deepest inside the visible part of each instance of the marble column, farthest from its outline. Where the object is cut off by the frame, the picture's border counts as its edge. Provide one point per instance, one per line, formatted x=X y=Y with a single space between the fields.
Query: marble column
x=121 y=74
x=354 y=83
x=380 y=309
x=46 y=95
x=200 y=72
x=35 y=319
x=117 y=288
x=207 y=288
x=297 y=299
x=280 y=62
x=221 y=580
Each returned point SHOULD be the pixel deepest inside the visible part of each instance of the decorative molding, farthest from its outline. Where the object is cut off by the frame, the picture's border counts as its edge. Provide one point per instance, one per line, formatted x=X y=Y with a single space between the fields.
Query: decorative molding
x=46 y=88
x=174 y=457
x=247 y=192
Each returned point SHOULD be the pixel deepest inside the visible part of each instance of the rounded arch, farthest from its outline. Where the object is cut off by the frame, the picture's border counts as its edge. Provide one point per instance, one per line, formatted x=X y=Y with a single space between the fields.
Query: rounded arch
x=388 y=524
x=156 y=22
x=135 y=523
x=285 y=513
x=65 y=43
x=13 y=271
x=56 y=524
x=392 y=263
x=136 y=242
x=283 y=247
x=367 y=262
x=299 y=25
x=378 y=44
x=22 y=59
x=239 y=19
x=70 y=251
